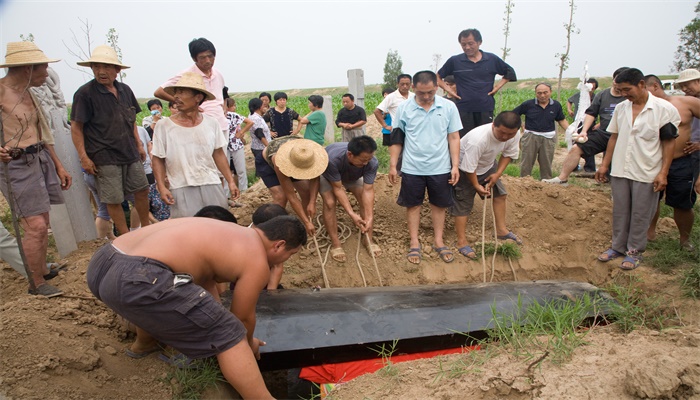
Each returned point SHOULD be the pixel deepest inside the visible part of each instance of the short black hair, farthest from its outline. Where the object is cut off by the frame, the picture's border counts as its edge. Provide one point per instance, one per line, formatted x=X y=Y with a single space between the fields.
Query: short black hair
x=265 y=94
x=171 y=104
x=200 y=46
x=449 y=79
x=470 y=32
x=217 y=212
x=594 y=80
x=617 y=71
x=254 y=105
x=316 y=100
x=508 y=119
x=631 y=75
x=286 y=227
x=425 y=77
x=402 y=76
x=388 y=90
x=153 y=102
x=267 y=212
x=362 y=144
x=350 y=96
x=280 y=95
x=651 y=79
x=229 y=101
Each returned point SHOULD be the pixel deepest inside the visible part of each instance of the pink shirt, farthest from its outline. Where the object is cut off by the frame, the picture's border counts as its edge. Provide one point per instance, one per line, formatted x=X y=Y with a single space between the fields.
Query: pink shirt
x=215 y=85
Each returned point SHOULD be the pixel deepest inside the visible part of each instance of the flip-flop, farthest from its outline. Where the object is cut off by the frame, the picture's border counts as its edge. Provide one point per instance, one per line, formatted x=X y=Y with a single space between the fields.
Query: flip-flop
x=444 y=252
x=466 y=250
x=414 y=252
x=635 y=261
x=609 y=254
x=511 y=236
x=143 y=354
x=337 y=253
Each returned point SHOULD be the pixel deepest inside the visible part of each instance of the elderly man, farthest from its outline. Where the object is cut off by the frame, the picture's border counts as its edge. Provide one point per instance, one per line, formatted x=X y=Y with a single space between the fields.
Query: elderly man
x=104 y=133
x=682 y=174
x=426 y=134
x=540 y=134
x=642 y=133
x=163 y=280
x=352 y=166
x=351 y=118
x=474 y=73
x=36 y=175
x=689 y=82
x=203 y=54
x=392 y=101
x=188 y=148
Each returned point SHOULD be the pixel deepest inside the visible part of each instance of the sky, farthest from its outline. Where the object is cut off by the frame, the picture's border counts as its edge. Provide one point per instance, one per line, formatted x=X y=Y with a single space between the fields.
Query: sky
x=270 y=46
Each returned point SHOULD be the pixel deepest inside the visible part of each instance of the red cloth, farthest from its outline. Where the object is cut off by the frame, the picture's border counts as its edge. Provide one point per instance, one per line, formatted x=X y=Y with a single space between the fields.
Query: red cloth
x=344 y=372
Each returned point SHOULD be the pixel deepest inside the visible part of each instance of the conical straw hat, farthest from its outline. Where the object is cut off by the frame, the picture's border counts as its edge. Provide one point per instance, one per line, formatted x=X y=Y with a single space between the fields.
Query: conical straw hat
x=190 y=80
x=24 y=53
x=301 y=159
x=103 y=54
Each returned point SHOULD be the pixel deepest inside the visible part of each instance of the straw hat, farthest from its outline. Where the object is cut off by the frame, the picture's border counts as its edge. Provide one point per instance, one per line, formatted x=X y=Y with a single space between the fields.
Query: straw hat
x=24 y=53
x=103 y=54
x=190 y=80
x=688 y=75
x=301 y=159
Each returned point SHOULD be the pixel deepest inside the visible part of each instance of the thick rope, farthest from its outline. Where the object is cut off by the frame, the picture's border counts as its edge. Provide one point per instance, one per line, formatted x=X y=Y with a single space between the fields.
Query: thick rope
x=374 y=260
x=357 y=257
x=323 y=267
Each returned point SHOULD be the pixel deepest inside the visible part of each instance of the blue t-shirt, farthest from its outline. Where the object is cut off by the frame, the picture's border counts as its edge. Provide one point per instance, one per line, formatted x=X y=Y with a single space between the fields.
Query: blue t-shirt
x=475 y=79
x=425 y=149
x=387 y=121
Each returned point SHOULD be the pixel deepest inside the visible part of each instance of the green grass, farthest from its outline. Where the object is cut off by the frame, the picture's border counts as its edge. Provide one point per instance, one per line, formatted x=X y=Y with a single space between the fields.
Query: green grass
x=690 y=284
x=506 y=249
x=636 y=307
x=190 y=383
x=252 y=178
x=385 y=352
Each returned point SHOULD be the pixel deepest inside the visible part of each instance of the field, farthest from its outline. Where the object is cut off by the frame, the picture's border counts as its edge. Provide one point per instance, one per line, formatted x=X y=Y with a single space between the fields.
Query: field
x=72 y=347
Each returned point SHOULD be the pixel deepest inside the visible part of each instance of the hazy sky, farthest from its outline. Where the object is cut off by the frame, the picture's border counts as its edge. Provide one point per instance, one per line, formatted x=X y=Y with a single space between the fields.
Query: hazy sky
x=281 y=45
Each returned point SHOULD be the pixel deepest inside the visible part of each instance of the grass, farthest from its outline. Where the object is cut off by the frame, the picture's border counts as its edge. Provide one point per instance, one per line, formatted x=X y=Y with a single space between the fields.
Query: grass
x=690 y=285
x=506 y=249
x=385 y=352
x=190 y=383
x=636 y=307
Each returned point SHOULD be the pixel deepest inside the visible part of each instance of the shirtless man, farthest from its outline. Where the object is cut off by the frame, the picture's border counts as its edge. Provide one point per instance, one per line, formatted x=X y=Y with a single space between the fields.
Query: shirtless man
x=679 y=190
x=35 y=172
x=163 y=277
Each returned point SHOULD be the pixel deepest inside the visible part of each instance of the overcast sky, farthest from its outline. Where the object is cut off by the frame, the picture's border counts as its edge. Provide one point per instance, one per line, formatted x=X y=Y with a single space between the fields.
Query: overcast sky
x=282 y=45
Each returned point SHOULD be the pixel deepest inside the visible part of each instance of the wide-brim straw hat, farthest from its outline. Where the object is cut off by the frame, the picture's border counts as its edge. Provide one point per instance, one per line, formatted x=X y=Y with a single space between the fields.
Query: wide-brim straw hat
x=688 y=75
x=103 y=54
x=301 y=159
x=190 y=80
x=25 y=53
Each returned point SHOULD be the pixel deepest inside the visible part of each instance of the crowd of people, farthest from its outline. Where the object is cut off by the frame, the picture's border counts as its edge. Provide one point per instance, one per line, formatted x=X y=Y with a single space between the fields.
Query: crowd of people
x=184 y=165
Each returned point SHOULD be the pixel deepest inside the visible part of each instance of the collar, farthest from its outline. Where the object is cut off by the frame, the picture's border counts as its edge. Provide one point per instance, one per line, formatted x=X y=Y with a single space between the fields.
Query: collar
x=437 y=103
x=196 y=69
x=102 y=89
x=484 y=56
x=551 y=101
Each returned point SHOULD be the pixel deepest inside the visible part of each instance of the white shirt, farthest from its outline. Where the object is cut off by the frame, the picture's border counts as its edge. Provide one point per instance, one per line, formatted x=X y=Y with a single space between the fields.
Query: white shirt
x=391 y=103
x=638 y=151
x=479 y=149
x=188 y=151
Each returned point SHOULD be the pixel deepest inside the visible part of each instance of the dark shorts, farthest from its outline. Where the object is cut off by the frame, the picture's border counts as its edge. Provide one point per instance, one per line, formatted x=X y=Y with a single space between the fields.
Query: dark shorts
x=597 y=143
x=35 y=184
x=471 y=120
x=174 y=311
x=679 y=189
x=464 y=192
x=413 y=188
x=265 y=171
x=386 y=139
x=113 y=182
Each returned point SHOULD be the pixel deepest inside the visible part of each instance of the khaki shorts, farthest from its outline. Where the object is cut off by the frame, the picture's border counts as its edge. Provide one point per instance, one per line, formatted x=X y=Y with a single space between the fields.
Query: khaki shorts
x=190 y=199
x=326 y=185
x=115 y=181
x=35 y=185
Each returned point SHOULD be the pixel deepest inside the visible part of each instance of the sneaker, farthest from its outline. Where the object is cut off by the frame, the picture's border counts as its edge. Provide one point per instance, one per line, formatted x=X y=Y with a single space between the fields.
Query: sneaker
x=556 y=181
x=46 y=290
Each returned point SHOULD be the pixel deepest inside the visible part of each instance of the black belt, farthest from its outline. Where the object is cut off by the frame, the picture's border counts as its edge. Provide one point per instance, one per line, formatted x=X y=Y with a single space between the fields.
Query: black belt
x=35 y=148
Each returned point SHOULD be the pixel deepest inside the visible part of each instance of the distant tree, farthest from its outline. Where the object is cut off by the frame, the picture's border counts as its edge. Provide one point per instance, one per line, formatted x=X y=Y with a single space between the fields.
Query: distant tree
x=28 y=38
x=78 y=49
x=506 y=28
x=564 y=57
x=688 y=52
x=112 y=40
x=392 y=68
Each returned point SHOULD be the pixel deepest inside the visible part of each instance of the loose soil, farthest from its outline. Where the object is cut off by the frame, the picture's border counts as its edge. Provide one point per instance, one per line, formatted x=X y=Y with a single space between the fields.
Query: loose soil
x=72 y=347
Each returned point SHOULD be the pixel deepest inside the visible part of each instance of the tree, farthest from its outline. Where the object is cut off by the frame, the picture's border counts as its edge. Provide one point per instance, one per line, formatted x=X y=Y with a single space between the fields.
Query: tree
x=80 y=51
x=564 y=57
x=112 y=40
x=506 y=29
x=28 y=38
x=392 y=68
x=688 y=52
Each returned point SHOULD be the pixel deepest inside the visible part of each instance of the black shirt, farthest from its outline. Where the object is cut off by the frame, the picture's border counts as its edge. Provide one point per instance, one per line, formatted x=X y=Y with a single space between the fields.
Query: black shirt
x=538 y=119
x=351 y=116
x=281 y=122
x=108 y=122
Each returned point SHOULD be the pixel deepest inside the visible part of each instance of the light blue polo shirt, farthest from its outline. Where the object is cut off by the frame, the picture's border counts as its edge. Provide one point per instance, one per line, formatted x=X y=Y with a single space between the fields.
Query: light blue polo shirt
x=425 y=150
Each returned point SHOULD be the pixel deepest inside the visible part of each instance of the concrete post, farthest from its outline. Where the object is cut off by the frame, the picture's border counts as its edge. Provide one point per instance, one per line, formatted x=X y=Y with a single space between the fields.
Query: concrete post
x=356 y=86
x=329 y=134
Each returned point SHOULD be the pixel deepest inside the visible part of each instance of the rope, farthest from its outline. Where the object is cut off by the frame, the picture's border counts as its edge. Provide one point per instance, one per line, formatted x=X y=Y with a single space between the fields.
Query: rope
x=495 y=239
x=323 y=266
x=374 y=259
x=357 y=256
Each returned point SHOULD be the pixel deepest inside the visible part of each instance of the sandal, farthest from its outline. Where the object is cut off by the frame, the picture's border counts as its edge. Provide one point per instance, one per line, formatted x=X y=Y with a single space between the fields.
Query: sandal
x=338 y=254
x=373 y=248
x=511 y=236
x=631 y=261
x=444 y=253
x=466 y=251
x=608 y=255
x=414 y=252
